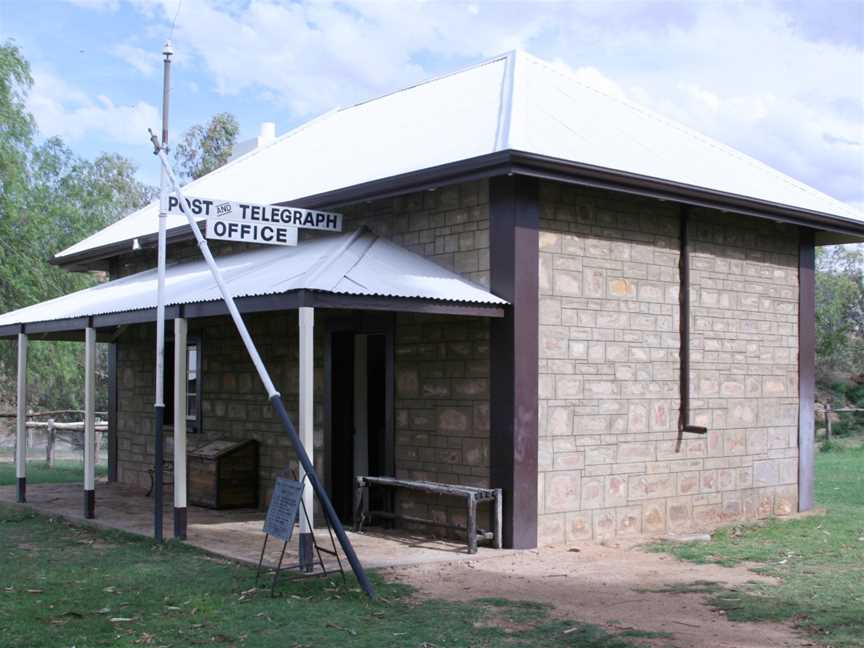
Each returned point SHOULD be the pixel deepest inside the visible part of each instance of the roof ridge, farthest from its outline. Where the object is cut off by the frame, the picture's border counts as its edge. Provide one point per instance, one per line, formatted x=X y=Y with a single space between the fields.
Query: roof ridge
x=439 y=77
x=315 y=272
x=683 y=128
x=505 y=103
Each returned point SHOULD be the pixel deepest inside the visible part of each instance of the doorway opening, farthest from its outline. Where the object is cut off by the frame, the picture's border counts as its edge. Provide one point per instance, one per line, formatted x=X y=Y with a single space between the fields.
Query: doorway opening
x=358 y=414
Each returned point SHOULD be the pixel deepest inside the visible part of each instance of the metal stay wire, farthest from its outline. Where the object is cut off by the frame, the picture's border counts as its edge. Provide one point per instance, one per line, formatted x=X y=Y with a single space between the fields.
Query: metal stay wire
x=273 y=395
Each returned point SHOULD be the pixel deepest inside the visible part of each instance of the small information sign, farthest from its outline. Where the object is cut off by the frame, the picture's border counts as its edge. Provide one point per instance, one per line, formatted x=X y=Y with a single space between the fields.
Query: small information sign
x=284 y=508
x=281 y=215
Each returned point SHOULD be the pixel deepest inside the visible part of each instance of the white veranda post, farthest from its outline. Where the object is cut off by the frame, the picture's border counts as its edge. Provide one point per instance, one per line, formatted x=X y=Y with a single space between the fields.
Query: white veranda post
x=307 y=434
x=89 y=422
x=181 y=380
x=21 y=426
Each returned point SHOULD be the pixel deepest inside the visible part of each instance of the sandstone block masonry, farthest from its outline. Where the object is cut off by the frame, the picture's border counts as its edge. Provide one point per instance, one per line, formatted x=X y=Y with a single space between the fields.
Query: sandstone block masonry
x=609 y=368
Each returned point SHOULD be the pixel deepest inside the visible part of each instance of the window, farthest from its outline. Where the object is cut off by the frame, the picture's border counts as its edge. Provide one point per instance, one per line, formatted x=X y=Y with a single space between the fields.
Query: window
x=193 y=384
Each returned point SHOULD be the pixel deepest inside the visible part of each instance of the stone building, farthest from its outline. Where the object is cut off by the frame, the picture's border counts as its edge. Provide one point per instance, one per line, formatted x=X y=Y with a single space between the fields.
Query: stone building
x=553 y=237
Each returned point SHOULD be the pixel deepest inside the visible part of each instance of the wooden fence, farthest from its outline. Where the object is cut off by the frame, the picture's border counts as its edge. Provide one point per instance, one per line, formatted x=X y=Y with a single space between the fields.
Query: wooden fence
x=827 y=410
x=70 y=432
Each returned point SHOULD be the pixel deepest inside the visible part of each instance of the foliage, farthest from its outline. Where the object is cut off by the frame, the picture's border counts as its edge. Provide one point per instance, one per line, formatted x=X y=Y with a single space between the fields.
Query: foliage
x=64 y=471
x=839 y=311
x=49 y=199
x=80 y=586
x=203 y=149
x=819 y=559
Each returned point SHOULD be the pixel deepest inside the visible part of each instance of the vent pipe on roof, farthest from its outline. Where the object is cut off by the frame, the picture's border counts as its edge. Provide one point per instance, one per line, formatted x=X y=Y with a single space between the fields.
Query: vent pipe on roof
x=267 y=133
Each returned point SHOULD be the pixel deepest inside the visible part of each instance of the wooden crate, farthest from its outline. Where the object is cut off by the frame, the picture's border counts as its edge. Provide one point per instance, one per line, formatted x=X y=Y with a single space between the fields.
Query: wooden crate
x=224 y=474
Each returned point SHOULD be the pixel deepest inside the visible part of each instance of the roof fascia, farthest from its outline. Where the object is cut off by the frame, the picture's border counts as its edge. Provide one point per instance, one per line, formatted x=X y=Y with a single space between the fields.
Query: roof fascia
x=476 y=168
x=574 y=173
x=259 y=304
x=544 y=167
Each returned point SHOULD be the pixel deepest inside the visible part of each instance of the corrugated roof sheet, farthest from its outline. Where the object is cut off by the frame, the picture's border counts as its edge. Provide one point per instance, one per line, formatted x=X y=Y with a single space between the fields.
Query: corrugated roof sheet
x=514 y=101
x=359 y=263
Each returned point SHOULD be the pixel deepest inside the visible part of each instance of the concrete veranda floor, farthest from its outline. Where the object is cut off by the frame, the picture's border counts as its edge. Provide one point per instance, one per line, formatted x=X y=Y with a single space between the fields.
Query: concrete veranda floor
x=233 y=534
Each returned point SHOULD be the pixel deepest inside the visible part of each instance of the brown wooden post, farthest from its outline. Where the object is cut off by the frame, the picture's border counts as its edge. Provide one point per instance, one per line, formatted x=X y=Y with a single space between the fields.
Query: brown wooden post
x=513 y=363
x=806 y=368
x=50 y=441
x=828 y=421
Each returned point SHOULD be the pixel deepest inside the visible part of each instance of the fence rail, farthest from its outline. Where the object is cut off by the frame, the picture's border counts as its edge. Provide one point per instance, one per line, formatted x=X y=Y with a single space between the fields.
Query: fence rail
x=827 y=410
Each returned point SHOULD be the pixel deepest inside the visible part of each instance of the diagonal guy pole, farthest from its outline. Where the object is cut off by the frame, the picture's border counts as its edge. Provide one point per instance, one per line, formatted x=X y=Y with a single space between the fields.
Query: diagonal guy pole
x=272 y=394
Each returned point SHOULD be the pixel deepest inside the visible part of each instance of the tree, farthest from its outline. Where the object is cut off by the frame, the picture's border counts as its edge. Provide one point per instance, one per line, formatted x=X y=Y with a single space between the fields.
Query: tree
x=203 y=149
x=49 y=199
x=839 y=312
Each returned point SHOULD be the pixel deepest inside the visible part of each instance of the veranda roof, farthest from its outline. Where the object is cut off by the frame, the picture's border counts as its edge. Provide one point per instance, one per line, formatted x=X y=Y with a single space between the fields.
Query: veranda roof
x=359 y=270
x=515 y=110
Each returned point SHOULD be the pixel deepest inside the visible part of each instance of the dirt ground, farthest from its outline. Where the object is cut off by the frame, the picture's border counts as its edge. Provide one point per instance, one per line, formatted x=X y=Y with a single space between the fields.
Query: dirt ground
x=606 y=586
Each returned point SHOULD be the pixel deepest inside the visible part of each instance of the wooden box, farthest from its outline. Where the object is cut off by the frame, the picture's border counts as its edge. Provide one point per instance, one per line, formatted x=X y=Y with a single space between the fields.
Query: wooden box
x=224 y=474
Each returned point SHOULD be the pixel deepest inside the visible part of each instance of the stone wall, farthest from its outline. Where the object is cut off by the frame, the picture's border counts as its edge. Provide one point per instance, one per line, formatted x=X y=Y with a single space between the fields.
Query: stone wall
x=609 y=368
x=441 y=409
x=234 y=405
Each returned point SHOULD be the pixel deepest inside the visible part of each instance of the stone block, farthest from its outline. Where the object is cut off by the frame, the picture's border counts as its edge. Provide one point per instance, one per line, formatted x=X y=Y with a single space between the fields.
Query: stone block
x=455 y=419
x=567 y=283
x=551 y=529
x=579 y=526
x=615 y=488
x=654 y=517
x=559 y=421
x=628 y=521
x=679 y=514
x=650 y=486
x=569 y=460
x=568 y=386
x=634 y=452
x=765 y=473
x=562 y=491
x=593 y=489
x=604 y=525
x=604 y=454
x=688 y=483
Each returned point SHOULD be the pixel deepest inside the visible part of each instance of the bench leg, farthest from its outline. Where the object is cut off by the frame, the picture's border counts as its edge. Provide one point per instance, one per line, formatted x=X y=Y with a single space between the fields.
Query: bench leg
x=472 y=525
x=499 y=515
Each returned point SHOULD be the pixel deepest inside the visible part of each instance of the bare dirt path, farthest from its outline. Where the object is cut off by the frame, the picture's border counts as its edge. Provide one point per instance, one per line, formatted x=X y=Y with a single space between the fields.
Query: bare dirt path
x=606 y=586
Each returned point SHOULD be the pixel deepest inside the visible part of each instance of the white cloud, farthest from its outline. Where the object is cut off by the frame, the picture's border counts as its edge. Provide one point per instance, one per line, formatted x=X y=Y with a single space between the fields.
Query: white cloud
x=145 y=62
x=768 y=78
x=63 y=110
x=96 y=4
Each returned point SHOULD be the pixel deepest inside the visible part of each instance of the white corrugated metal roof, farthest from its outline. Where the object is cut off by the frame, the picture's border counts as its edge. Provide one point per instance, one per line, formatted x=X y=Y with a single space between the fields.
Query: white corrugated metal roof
x=514 y=101
x=360 y=263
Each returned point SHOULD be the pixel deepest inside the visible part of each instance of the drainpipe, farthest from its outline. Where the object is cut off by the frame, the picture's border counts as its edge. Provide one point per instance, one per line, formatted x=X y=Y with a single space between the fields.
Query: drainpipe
x=684 y=327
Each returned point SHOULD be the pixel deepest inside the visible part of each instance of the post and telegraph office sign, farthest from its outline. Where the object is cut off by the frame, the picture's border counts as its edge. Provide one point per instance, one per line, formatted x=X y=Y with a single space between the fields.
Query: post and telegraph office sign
x=252 y=223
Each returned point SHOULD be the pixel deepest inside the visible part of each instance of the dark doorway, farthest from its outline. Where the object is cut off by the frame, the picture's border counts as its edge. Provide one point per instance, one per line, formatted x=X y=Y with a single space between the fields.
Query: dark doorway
x=358 y=414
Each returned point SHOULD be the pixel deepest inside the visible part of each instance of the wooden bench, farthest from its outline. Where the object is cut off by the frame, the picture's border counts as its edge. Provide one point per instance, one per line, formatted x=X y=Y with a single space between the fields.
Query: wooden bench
x=167 y=475
x=473 y=496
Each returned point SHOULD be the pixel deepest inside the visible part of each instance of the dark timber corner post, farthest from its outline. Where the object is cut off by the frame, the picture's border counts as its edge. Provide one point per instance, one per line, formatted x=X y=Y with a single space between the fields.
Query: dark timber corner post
x=806 y=368
x=514 y=215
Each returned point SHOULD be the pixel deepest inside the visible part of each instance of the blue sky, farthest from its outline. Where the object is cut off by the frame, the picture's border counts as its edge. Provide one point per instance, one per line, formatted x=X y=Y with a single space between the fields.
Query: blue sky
x=782 y=81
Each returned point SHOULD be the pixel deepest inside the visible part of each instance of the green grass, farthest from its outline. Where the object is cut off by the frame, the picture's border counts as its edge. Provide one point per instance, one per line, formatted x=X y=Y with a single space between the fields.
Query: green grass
x=64 y=470
x=63 y=586
x=819 y=559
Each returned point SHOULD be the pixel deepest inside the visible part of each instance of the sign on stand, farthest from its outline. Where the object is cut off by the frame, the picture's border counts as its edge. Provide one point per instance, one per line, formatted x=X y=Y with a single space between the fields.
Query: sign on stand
x=229 y=220
x=284 y=508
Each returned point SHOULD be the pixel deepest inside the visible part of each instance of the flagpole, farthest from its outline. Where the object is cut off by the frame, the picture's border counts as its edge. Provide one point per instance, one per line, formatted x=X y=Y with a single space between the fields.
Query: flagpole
x=272 y=394
x=159 y=405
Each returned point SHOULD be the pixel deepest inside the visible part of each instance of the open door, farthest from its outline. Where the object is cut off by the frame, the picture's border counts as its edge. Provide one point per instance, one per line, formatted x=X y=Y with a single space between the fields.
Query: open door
x=358 y=414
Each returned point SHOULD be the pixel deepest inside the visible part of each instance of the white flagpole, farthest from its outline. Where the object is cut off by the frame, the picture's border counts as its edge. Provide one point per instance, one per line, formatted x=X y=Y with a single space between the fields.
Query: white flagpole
x=272 y=394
